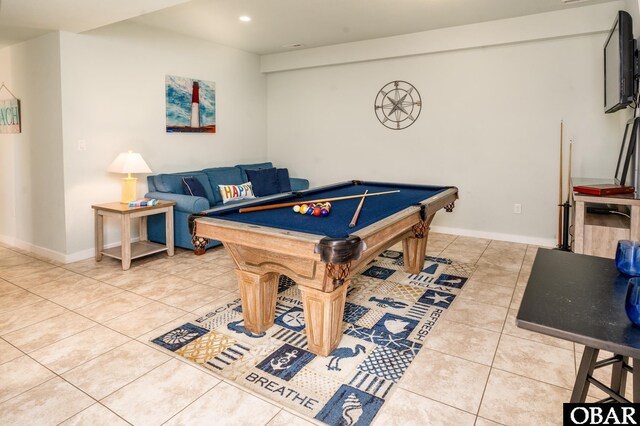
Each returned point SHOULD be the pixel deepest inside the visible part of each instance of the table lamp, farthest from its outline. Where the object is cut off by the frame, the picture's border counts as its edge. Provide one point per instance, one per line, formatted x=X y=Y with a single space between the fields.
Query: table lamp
x=129 y=162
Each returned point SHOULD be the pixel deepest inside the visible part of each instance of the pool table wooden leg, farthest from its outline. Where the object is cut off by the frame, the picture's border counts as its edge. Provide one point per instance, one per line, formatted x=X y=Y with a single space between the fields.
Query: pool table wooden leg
x=258 y=294
x=323 y=317
x=415 y=247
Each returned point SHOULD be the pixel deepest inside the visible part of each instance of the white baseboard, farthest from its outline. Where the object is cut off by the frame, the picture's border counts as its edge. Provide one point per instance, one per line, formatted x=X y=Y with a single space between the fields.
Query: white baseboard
x=543 y=242
x=54 y=255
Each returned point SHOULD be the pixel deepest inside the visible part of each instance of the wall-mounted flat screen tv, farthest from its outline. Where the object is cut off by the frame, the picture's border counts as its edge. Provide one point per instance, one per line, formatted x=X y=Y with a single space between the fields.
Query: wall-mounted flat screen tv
x=619 y=64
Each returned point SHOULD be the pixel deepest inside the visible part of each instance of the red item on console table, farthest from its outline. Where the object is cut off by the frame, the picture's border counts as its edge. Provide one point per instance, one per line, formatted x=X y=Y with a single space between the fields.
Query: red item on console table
x=603 y=189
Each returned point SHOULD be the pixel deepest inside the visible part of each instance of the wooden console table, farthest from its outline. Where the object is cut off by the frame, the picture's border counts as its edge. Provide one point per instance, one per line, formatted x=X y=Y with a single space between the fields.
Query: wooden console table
x=598 y=234
x=127 y=250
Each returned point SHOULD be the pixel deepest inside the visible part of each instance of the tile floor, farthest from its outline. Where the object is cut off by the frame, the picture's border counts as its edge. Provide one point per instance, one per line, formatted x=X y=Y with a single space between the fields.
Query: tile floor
x=74 y=346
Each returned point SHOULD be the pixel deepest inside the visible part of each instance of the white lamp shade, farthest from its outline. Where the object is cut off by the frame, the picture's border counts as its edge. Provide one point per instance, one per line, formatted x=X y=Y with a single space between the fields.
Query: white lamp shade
x=129 y=162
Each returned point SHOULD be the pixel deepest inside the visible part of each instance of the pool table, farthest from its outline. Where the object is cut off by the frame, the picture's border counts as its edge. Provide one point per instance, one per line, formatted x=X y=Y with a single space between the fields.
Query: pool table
x=320 y=253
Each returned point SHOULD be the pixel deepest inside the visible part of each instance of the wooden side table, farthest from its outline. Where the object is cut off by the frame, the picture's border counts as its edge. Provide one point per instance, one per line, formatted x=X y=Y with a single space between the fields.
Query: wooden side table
x=128 y=251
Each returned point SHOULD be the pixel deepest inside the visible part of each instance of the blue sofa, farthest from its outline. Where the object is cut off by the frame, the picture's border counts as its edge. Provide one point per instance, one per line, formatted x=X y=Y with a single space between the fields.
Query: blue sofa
x=169 y=187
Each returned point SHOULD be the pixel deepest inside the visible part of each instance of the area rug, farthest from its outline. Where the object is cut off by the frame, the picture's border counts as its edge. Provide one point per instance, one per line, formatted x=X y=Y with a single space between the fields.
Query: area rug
x=388 y=315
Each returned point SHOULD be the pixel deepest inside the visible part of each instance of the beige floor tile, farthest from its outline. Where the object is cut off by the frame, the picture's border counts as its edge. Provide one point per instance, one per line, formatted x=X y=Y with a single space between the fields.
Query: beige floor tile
x=515 y=400
x=451 y=380
x=59 y=286
x=535 y=360
x=210 y=307
x=162 y=287
x=134 y=277
x=202 y=274
x=39 y=278
x=112 y=307
x=229 y=406
x=20 y=375
x=508 y=245
x=169 y=266
x=50 y=403
x=49 y=331
x=489 y=317
x=460 y=256
x=471 y=244
x=8 y=352
x=86 y=295
x=96 y=415
x=14 y=272
x=75 y=350
x=194 y=297
x=496 y=276
x=285 y=418
x=7 y=288
x=20 y=318
x=407 y=408
x=227 y=281
x=517 y=297
x=487 y=293
x=14 y=259
x=111 y=371
x=160 y=394
x=143 y=320
x=17 y=299
x=511 y=329
x=484 y=422
x=464 y=341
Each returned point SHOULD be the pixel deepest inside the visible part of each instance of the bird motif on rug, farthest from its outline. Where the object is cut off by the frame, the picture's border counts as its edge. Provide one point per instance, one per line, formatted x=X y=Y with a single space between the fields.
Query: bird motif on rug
x=341 y=353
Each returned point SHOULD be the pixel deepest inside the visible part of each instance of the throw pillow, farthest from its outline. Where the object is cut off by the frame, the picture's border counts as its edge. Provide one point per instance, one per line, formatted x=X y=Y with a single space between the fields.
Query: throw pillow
x=236 y=192
x=193 y=187
x=284 y=183
x=264 y=181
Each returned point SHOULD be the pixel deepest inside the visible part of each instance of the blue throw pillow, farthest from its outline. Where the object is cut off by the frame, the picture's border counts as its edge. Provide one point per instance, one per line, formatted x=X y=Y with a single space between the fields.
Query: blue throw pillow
x=284 y=184
x=193 y=187
x=264 y=181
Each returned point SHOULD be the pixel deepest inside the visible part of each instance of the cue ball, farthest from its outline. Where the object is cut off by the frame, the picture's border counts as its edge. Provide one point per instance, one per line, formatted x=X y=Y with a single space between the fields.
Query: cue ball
x=296 y=209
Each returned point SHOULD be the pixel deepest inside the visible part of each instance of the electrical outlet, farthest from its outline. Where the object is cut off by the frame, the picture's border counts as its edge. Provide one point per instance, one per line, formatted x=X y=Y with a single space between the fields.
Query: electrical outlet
x=517 y=208
x=82 y=145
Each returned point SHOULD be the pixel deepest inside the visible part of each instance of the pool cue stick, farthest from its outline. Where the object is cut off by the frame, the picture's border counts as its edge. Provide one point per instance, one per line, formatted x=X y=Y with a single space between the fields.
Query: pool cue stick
x=560 y=191
x=322 y=200
x=569 y=172
x=357 y=213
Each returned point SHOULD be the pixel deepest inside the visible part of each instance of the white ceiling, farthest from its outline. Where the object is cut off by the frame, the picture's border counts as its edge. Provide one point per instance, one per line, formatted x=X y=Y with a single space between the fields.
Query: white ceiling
x=275 y=23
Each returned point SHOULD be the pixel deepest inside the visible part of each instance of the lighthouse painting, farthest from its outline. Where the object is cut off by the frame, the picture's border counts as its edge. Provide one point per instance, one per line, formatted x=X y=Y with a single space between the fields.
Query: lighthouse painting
x=191 y=105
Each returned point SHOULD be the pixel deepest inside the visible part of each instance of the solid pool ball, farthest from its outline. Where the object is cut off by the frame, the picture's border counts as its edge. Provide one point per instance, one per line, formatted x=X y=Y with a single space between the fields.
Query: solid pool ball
x=296 y=209
x=324 y=212
x=316 y=211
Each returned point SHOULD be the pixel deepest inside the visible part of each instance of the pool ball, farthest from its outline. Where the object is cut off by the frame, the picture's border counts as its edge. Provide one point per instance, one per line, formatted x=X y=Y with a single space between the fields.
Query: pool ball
x=324 y=212
x=303 y=209
x=316 y=211
x=296 y=209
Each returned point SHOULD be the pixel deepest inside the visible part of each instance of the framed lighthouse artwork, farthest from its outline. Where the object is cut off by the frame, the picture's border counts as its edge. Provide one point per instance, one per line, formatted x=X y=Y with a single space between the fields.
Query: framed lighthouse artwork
x=191 y=105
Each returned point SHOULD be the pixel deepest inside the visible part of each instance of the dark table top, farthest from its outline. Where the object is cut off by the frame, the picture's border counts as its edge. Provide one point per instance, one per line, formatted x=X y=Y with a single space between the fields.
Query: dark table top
x=579 y=298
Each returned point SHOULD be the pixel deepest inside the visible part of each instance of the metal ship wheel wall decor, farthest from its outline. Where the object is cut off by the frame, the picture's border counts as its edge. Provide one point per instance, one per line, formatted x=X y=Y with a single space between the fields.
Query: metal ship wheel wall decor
x=398 y=105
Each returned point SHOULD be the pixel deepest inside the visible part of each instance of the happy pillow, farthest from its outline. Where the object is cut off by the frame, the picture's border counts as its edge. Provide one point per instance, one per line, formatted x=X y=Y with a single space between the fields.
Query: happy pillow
x=236 y=192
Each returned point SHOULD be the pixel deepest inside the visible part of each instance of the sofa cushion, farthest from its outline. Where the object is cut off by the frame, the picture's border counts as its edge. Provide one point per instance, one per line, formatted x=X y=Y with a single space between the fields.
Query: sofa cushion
x=256 y=166
x=192 y=186
x=264 y=181
x=236 y=192
x=284 y=184
x=172 y=183
x=223 y=176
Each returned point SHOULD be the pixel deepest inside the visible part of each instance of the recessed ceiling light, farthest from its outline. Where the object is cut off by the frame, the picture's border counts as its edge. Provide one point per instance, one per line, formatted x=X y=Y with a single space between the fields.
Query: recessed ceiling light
x=293 y=46
x=245 y=18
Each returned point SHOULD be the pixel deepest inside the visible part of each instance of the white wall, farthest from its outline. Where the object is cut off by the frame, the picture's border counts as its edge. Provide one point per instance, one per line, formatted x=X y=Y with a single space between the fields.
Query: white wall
x=31 y=172
x=489 y=123
x=113 y=98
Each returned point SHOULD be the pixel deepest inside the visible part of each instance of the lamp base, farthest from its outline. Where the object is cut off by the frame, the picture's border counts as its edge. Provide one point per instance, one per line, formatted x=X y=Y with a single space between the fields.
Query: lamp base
x=128 y=189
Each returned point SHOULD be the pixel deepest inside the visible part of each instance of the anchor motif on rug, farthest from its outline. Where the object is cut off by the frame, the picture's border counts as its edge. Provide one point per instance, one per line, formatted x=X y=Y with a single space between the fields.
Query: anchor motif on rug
x=388 y=302
x=240 y=329
x=282 y=363
x=340 y=353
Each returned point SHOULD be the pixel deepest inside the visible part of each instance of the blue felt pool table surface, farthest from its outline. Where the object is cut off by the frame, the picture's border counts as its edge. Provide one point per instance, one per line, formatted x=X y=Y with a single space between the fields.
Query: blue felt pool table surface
x=336 y=224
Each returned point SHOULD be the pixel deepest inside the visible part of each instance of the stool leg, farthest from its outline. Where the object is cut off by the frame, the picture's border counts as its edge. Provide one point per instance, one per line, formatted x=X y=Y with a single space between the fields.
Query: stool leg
x=588 y=362
x=619 y=375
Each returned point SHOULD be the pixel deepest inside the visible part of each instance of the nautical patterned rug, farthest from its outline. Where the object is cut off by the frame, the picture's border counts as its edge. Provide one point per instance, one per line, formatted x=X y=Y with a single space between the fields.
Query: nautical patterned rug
x=388 y=315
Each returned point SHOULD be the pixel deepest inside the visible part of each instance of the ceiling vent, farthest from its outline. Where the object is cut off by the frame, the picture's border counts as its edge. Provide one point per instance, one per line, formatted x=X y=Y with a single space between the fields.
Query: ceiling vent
x=293 y=46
